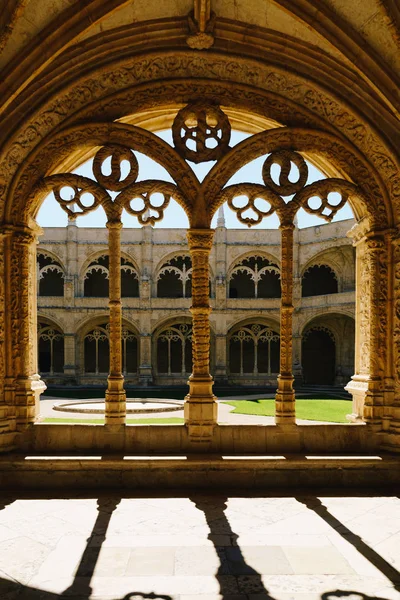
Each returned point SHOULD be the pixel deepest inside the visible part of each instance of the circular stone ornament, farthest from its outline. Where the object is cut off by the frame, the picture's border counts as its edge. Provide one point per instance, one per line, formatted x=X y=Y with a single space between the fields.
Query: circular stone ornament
x=201 y=132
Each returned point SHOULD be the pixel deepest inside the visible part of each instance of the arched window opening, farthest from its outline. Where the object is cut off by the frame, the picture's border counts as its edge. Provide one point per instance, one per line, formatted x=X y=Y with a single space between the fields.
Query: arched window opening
x=96 y=278
x=96 y=350
x=50 y=349
x=130 y=356
x=319 y=280
x=254 y=349
x=97 y=274
x=174 y=350
x=51 y=276
x=174 y=279
x=129 y=280
x=319 y=356
x=255 y=277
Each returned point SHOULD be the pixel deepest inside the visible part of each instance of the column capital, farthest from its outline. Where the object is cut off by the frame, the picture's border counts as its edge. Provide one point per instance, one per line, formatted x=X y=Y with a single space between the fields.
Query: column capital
x=20 y=234
x=287 y=225
x=115 y=223
x=200 y=239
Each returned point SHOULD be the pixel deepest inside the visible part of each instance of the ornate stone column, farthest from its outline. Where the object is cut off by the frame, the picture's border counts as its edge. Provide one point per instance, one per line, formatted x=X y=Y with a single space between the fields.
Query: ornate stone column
x=391 y=416
x=7 y=408
x=285 y=397
x=115 y=394
x=367 y=383
x=21 y=300
x=200 y=406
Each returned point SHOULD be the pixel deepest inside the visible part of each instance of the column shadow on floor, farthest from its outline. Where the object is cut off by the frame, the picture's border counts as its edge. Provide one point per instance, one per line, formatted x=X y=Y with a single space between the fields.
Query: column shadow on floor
x=234 y=575
x=232 y=562
x=389 y=571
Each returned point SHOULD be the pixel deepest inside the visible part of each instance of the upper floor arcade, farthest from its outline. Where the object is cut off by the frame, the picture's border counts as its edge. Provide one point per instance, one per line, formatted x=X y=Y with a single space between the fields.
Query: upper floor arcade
x=73 y=266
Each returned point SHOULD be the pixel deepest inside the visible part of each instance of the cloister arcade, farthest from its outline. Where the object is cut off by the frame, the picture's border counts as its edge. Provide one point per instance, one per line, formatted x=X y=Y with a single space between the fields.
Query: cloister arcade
x=163 y=289
x=109 y=108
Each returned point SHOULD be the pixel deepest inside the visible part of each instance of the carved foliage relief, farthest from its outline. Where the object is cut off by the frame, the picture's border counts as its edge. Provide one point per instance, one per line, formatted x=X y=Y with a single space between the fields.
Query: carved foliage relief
x=396 y=325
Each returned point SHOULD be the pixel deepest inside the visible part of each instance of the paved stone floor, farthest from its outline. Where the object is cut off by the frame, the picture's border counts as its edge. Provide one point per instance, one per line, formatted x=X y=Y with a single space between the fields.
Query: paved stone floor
x=200 y=547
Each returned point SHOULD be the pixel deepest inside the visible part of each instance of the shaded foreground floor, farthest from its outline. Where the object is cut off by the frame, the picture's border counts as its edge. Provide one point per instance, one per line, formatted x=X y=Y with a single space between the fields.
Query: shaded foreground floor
x=200 y=548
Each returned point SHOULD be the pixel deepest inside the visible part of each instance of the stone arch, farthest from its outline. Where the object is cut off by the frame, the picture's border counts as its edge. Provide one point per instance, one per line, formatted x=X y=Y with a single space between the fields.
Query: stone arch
x=253 y=350
x=100 y=366
x=51 y=274
x=311 y=110
x=338 y=259
x=50 y=350
x=332 y=364
x=94 y=257
x=172 y=349
x=319 y=279
x=338 y=154
x=172 y=276
x=249 y=277
x=161 y=263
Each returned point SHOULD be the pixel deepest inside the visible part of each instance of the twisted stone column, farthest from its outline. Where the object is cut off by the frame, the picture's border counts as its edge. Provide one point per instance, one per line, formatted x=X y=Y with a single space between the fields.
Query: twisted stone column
x=115 y=394
x=200 y=406
x=285 y=397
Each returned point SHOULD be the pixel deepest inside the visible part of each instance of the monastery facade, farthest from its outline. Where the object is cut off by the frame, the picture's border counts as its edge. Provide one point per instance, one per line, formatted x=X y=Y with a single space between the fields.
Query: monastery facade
x=156 y=273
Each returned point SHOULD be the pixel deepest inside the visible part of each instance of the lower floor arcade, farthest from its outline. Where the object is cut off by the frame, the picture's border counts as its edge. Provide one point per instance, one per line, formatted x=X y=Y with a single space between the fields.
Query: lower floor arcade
x=246 y=354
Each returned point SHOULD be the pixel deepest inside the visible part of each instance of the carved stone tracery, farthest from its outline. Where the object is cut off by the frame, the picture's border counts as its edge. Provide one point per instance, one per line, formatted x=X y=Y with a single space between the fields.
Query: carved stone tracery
x=198 y=124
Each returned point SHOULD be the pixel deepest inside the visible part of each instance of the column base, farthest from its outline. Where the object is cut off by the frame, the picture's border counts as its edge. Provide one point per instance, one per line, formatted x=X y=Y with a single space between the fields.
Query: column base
x=285 y=411
x=115 y=401
x=27 y=400
x=201 y=410
x=367 y=399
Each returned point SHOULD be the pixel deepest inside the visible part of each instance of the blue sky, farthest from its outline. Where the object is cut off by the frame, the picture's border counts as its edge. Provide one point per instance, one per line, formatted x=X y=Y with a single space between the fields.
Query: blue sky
x=52 y=215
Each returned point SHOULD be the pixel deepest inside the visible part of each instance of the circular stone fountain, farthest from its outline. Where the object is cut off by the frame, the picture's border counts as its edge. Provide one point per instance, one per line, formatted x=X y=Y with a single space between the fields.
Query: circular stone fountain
x=133 y=406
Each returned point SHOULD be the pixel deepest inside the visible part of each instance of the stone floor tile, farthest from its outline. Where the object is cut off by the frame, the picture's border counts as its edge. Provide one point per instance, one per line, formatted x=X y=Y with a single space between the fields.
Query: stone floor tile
x=303 y=524
x=150 y=561
x=111 y=562
x=21 y=558
x=6 y=533
x=254 y=560
x=63 y=561
x=274 y=539
x=200 y=561
x=164 y=585
x=374 y=528
x=325 y=561
x=389 y=549
x=359 y=563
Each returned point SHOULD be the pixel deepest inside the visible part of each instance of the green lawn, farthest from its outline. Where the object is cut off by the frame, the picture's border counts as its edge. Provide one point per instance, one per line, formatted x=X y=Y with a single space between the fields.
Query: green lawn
x=333 y=411
x=166 y=421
